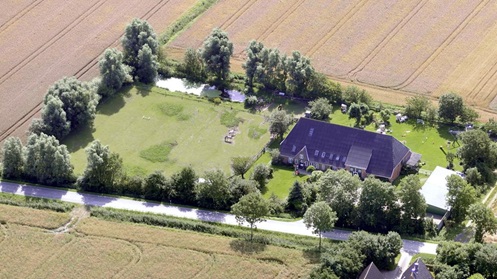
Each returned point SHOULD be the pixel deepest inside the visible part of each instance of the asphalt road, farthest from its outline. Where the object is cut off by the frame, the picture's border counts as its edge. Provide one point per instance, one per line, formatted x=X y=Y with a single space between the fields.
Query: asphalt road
x=410 y=247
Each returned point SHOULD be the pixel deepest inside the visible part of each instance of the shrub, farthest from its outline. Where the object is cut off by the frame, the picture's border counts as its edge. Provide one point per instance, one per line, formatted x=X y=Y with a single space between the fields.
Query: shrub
x=275 y=156
x=250 y=102
x=216 y=100
x=310 y=169
x=38 y=203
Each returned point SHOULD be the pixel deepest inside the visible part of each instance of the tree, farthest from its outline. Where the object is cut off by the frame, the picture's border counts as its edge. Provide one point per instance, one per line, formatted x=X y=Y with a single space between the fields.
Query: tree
x=353 y=94
x=450 y=157
x=296 y=198
x=321 y=218
x=214 y=191
x=103 y=169
x=136 y=35
x=416 y=105
x=279 y=122
x=13 y=161
x=450 y=106
x=413 y=205
x=490 y=127
x=340 y=189
x=321 y=87
x=79 y=100
x=113 y=72
x=239 y=187
x=485 y=260
x=184 y=185
x=216 y=54
x=193 y=66
x=478 y=151
x=320 y=108
x=484 y=220
x=473 y=176
x=380 y=249
x=468 y=115
x=345 y=261
x=146 y=68
x=378 y=209
x=251 y=209
x=54 y=118
x=300 y=74
x=273 y=70
x=261 y=175
x=47 y=161
x=240 y=165
x=158 y=187
x=254 y=60
x=459 y=197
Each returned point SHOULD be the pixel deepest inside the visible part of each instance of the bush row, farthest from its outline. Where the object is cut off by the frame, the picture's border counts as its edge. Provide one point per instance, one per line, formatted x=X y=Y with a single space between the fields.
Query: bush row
x=39 y=204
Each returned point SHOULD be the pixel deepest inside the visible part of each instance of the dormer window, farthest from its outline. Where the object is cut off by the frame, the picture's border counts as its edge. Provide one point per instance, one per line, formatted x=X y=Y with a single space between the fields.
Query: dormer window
x=316 y=153
x=311 y=131
x=323 y=154
x=293 y=148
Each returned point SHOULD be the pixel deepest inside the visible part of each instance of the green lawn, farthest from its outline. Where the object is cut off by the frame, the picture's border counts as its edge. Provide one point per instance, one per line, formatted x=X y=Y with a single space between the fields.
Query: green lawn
x=154 y=129
x=282 y=181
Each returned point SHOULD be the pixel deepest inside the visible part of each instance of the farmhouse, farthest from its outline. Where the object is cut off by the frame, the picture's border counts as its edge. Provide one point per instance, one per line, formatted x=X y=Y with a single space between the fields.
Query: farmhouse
x=325 y=145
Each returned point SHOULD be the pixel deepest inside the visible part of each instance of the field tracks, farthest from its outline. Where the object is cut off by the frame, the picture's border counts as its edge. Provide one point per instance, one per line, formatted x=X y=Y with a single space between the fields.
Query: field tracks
x=93 y=62
x=353 y=73
x=482 y=83
x=442 y=46
x=51 y=41
x=137 y=257
x=225 y=25
x=350 y=13
x=52 y=257
x=275 y=24
x=19 y=15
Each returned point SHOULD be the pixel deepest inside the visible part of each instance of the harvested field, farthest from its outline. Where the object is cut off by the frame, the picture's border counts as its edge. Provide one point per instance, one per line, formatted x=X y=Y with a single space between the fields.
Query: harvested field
x=104 y=249
x=42 y=41
x=404 y=47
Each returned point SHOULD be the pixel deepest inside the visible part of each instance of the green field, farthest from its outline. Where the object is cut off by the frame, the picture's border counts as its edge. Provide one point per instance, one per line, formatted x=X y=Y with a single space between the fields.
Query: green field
x=154 y=129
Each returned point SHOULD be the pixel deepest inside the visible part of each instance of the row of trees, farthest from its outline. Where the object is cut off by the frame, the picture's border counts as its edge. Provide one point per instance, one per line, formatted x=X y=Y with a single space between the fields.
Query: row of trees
x=457 y=260
x=371 y=204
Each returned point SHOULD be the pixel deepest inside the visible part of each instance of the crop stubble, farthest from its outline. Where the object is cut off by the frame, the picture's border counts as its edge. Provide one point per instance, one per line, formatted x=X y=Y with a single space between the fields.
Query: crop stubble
x=42 y=41
x=425 y=47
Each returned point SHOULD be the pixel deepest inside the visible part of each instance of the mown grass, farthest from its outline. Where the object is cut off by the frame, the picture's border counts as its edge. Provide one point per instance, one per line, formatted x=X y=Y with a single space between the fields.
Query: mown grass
x=101 y=249
x=139 y=122
x=283 y=178
x=424 y=257
x=256 y=132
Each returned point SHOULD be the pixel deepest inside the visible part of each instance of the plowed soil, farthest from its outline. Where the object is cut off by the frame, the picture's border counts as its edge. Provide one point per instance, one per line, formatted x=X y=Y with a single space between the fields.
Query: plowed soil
x=41 y=41
x=396 y=47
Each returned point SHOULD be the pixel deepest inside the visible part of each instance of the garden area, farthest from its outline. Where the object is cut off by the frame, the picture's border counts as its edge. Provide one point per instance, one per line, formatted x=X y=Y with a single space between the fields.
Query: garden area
x=155 y=129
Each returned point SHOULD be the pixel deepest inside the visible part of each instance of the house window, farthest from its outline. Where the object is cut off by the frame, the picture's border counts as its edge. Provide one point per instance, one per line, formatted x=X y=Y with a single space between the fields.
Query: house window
x=311 y=131
x=293 y=148
x=290 y=160
x=337 y=158
x=301 y=156
x=316 y=153
x=323 y=154
x=331 y=156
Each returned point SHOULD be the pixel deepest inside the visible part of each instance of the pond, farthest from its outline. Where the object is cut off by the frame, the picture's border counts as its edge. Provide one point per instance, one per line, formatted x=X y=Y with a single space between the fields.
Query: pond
x=199 y=89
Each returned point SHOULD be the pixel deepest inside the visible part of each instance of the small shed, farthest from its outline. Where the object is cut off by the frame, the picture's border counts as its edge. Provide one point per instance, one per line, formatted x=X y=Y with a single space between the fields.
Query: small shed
x=308 y=113
x=435 y=191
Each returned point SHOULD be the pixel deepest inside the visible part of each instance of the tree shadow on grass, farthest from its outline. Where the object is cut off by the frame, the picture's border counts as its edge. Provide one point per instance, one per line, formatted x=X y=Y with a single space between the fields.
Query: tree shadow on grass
x=312 y=255
x=143 y=89
x=247 y=247
x=79 y=138
x=114 y=104
x=443 y=132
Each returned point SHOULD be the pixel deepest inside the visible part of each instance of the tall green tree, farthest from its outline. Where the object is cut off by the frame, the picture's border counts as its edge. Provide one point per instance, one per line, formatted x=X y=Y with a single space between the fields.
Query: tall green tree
x=113 y=71
x=378 y=209
x=213 y=192
x=54 y=118
x=47 y=161
x=478 y=151
x=300 y=74
x=279 y=121
x=136 y=35
x=184 y=183
x=239 y=187
x=416 y=105
x=296 y=198
x=146 y=67
x=340 y=189
x=353 y=94
x=413 y=205
x=484 y=220
x=320 y=108
x=158 y=187
x=216 y=53
x=459 y=197
x=254 y=60
x=103 y=169
x=321 y=87
x=450 y=106
x=13 y=161
x=193 y=66
x=321 y=218
x=240 y=165
x=251 y=209
x=79 y=100
x=380 y=249
x=261 y=175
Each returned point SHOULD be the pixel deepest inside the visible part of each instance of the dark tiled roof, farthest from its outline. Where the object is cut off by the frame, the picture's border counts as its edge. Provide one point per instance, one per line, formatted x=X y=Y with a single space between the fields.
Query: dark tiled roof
x=336 y=142
x=421 y=272
x=371 y=272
